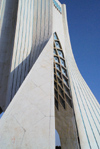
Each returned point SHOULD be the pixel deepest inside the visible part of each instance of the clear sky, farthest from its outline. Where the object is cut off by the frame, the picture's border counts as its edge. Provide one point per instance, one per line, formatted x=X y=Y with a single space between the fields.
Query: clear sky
x=84 y=29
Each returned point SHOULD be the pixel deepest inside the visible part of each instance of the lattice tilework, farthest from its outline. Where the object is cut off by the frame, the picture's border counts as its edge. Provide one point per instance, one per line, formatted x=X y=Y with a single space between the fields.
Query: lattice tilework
x=61 y=83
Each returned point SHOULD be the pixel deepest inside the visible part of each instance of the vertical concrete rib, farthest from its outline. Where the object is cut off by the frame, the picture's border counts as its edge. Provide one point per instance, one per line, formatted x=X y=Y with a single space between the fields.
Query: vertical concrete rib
x=20 y=50
x=22 y=46
x=7 y=34
x=94 y=125
x=32 y=34
x=22 y=74
x=28 y=39
x=91 y=107
x=86 y=115
x=2 y=9
x=38 y=29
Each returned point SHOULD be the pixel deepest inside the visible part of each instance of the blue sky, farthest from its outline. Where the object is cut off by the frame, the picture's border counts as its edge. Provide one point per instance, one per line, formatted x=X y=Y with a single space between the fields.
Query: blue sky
x=1 y=114
x=84 y=29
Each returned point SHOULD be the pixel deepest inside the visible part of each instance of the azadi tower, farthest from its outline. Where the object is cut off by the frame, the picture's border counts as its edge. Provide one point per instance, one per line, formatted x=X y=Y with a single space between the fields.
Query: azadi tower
x=41 y=88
